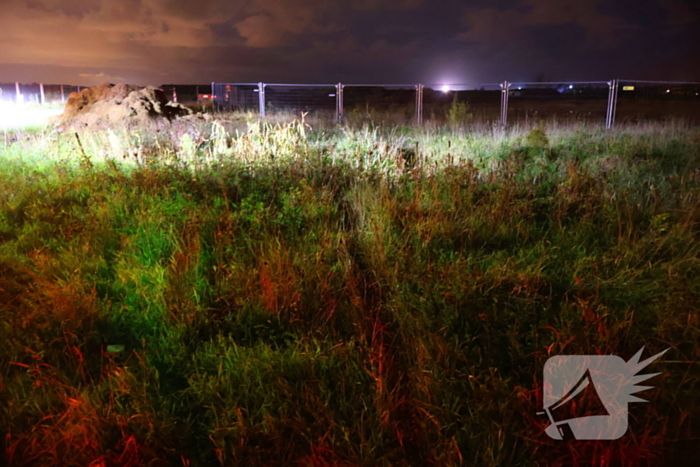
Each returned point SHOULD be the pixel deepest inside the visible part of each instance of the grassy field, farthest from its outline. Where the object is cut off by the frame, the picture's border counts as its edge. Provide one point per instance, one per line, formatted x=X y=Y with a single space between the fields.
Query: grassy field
x=302 y=294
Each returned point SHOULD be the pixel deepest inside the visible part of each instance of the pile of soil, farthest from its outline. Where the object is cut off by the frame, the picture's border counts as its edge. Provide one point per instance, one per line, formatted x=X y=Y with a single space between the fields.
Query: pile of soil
x=109 y=105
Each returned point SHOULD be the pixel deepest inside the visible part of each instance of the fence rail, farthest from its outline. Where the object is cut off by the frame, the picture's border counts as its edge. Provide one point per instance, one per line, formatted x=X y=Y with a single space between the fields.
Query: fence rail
x=605 y=102
x=36 y=93
x=591 y=101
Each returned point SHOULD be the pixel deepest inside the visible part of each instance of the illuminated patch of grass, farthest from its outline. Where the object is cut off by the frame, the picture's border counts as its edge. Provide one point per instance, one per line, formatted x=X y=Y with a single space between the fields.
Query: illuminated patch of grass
x=364 y=295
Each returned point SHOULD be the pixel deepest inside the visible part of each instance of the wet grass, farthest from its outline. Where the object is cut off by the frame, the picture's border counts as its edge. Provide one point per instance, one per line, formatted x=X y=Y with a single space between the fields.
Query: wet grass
x=224 y=294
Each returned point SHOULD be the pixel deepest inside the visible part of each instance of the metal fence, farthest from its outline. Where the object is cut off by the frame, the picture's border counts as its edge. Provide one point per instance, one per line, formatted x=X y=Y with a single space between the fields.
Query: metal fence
x=36 y=93
x=654 y=100
x=606 y=102
x=611 y=102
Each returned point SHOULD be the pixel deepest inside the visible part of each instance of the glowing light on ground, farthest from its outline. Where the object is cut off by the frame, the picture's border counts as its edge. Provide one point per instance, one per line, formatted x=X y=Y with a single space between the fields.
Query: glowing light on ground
x=14 y=116
x=445 y=88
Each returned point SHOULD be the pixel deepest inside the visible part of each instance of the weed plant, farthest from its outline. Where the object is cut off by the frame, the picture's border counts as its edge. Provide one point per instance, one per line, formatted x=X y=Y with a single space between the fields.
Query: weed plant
x=291 y=293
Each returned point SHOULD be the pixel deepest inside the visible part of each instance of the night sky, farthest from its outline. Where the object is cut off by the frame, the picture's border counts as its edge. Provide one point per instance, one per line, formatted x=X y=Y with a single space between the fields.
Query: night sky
x=353 y=41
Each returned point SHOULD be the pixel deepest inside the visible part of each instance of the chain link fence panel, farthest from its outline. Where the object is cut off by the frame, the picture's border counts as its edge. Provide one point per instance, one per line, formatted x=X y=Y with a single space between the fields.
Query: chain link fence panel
x=643 y=101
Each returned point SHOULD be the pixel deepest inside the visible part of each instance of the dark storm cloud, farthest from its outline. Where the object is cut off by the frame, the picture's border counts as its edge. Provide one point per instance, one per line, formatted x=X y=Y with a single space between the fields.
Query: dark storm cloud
x=587 y=39
x=490 y=26
x=153 y=41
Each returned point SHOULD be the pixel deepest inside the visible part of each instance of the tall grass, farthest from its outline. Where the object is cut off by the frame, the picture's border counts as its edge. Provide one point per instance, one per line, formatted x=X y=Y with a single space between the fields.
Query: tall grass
x=289 y=292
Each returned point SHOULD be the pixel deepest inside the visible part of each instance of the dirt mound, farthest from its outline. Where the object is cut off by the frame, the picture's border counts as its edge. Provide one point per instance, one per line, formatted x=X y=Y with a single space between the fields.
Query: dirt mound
x=109 y=105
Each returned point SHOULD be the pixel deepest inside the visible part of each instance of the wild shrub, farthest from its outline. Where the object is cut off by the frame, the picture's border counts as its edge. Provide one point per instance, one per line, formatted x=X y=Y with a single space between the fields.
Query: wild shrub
x=459 y=112
x=537 y=138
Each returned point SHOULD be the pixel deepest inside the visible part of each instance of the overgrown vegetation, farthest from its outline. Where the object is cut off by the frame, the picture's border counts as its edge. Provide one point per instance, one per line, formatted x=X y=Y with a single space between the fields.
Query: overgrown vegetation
x=288 y=295
x=459 y=112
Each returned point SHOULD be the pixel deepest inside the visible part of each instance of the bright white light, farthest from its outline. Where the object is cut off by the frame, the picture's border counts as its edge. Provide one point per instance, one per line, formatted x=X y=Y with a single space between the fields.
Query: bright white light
x=18 y=116
x=445 y=88
x=668 y=90
x=571 y=86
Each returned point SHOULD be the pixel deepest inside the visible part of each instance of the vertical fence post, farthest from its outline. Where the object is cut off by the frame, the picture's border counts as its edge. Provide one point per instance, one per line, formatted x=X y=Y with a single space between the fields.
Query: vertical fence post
x=339 y=110
x=612 y=103
x=419 y=104
x=18 y=94
x=41 y=93
x=614 y=107
x=422 y=102
x=261 y=98
x=607 y=112
x=505 y=87
x=63 y=96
